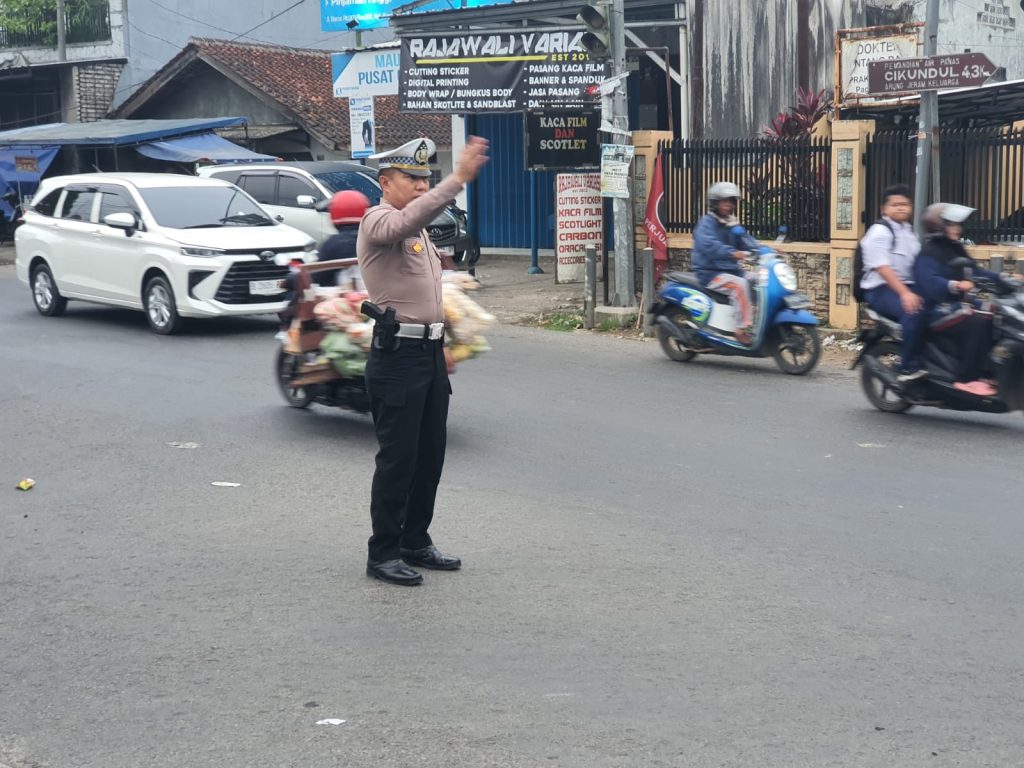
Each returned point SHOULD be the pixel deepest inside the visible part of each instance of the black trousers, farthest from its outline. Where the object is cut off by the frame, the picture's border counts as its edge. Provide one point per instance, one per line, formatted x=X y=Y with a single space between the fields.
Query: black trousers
x=409 y=393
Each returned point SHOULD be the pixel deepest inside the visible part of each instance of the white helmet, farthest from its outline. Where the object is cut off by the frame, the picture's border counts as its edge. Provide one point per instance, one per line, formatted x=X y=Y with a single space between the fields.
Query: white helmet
x=722 y=190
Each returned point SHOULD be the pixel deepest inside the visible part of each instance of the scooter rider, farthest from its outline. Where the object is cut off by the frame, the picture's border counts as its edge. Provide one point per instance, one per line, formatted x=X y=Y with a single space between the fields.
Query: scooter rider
x=943 y=287
x=718 y=255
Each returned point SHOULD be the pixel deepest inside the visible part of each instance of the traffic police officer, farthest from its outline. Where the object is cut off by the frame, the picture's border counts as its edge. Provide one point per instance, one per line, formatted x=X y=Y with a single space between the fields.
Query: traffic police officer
x=407 y=373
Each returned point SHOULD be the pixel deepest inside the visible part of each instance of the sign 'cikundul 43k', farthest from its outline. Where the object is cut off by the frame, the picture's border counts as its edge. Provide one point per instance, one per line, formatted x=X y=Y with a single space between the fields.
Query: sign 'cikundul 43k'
x=497 y=73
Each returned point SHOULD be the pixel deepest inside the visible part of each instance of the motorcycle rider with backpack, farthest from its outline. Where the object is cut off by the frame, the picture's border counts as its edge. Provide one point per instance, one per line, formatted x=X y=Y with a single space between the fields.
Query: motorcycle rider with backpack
x=888 y=250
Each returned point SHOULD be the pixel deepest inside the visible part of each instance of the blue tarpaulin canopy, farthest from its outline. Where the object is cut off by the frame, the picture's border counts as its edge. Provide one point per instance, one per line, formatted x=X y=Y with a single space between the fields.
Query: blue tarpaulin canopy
x=21 y=169
x=206 y=146
x=112 y=133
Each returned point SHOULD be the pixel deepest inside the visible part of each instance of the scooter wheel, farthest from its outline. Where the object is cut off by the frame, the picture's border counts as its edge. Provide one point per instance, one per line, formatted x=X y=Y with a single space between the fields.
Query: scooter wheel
x=285 y=367
x=797 y=348
x=670 y=345
x=877 y=391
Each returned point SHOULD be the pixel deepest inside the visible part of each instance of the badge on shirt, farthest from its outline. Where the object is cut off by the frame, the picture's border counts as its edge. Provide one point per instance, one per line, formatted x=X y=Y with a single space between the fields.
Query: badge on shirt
x=417 y=248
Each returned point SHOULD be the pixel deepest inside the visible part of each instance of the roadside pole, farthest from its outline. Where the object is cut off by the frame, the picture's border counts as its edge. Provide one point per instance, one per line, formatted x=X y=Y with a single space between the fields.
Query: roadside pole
x=61 y=32
x=647 y=297
x=928 y=127
x=589 y=286
x=620 y=121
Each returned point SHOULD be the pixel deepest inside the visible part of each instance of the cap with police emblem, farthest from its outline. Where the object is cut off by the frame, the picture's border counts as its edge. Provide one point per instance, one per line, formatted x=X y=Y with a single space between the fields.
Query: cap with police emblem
x=412 y=158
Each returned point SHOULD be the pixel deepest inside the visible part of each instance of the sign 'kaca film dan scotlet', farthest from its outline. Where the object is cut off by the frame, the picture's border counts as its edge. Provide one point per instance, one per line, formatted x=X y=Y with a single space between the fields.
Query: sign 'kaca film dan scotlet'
x=515 y=72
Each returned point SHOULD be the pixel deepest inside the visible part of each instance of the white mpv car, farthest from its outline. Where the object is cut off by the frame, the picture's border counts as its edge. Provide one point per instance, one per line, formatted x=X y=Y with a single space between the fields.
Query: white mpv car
x=173 y=246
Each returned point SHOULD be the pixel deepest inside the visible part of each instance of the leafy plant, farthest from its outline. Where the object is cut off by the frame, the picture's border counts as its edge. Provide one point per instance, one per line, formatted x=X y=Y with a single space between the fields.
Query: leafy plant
x=562 y=321
x=800 y=118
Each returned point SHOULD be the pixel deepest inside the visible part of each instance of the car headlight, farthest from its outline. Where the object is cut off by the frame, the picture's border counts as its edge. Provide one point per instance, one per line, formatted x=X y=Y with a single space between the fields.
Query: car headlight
x=202 y=253
x=310 y=246
x=785 y=275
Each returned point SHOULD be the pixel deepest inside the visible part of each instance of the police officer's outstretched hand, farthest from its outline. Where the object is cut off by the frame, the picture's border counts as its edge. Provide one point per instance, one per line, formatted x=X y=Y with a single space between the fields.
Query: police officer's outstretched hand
x=472 y=159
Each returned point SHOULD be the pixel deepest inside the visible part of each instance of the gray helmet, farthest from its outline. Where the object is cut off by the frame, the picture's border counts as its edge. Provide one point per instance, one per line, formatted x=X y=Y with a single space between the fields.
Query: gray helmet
x=723 y=190
x=937 y=215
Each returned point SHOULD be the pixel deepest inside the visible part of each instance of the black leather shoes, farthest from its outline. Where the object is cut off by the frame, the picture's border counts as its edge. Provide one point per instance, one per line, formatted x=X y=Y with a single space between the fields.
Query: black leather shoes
x=431 y=557
x=393 y=572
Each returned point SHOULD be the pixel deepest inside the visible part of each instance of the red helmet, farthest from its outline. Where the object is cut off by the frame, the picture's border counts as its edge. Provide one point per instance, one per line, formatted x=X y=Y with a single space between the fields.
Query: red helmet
x=348 y=207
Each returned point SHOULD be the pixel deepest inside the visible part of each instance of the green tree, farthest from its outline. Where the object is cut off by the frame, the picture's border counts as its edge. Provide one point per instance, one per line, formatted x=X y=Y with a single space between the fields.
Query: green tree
x=39 y=17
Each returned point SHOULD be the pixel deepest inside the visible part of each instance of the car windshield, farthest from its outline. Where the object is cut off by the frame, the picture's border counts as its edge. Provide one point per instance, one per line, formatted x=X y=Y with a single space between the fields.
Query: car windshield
x=337 y=181
x=201 y=207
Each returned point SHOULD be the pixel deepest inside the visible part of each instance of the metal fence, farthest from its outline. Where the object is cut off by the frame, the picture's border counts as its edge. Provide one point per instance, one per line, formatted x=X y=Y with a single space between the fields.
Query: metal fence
x=785 y=183
x=89 y=24
x=981 y=167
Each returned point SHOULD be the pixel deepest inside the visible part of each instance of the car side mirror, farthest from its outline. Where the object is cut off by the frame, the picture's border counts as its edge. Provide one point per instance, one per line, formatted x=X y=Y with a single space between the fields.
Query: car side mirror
x=125 y=221
x=960 y=262
x=305 y=201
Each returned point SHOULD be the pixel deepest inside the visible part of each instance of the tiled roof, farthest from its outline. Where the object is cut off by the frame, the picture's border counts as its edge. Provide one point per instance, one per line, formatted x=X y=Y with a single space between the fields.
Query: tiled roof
x=299 y=81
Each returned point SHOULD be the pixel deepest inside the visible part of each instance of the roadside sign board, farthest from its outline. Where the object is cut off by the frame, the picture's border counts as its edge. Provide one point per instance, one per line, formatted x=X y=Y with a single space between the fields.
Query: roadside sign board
x=365 y=73
x=474 y=73
x=362 y=128
x=578 y=223
x=859 y=47
x=562 y=140
x=933 y=73
x=616 y=160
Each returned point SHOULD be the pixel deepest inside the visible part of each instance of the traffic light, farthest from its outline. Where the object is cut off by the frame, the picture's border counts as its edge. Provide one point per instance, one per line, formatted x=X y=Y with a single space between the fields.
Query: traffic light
x=597 y=38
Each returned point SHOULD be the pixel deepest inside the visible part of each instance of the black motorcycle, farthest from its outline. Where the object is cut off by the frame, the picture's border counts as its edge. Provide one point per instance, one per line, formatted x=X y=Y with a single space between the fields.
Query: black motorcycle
x=880 y=359
x=9 y=225
x=304 y=376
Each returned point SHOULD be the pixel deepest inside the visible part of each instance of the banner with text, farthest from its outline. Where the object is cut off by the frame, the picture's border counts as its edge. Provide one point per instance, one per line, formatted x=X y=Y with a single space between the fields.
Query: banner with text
x=562 y=140
x=497 y=73
x=365 y=73
x=362 y=129
x=616 y=160
x=578 y=223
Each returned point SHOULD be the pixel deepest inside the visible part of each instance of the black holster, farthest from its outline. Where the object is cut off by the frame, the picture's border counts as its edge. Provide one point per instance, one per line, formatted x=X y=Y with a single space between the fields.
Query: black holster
x=385 y=326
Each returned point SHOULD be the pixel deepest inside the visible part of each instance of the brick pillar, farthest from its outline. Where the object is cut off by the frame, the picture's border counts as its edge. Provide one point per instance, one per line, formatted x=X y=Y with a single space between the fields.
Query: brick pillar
x=94 y=89
x=849 y=143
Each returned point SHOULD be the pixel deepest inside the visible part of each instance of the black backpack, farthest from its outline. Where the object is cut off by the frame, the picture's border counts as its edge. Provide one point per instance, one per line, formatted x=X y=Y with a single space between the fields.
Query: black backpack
x=858 y=261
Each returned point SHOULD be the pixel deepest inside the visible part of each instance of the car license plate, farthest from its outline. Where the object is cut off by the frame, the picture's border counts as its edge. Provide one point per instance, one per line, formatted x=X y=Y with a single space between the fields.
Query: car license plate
x=266 y=287
x=446 y=250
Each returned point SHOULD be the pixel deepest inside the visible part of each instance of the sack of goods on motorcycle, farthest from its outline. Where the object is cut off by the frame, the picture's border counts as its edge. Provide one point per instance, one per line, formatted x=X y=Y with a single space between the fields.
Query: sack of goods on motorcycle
x=350 y=333
x=464 y=319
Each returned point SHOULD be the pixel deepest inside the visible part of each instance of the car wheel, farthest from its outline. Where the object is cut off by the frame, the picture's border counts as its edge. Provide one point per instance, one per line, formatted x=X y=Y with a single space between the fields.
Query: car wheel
x=161 y=309
x=45 y=295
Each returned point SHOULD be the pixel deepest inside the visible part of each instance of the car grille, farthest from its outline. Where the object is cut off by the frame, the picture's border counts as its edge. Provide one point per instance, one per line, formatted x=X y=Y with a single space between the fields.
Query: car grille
x=443 y=234
x=234 y=288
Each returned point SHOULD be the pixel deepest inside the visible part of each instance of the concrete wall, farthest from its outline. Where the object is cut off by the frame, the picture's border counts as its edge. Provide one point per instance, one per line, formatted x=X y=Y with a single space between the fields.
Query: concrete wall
x=750 y=58
x=750 y=49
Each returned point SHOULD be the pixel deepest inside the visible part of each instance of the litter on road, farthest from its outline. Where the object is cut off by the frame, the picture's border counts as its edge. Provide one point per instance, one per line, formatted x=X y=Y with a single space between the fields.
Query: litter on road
x=330 y=721
x=223 y=484
x=26 y=485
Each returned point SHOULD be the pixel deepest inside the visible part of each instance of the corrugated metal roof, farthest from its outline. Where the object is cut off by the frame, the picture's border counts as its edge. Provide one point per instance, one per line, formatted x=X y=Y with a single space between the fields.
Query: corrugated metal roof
x=112 y=133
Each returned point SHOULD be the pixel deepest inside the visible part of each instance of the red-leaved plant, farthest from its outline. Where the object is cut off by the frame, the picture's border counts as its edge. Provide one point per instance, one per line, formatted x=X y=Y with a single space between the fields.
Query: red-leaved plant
x=800 y=118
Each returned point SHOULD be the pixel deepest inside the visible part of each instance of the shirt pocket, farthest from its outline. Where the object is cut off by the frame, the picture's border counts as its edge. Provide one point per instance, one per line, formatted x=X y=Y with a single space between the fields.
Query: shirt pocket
x=414 y=256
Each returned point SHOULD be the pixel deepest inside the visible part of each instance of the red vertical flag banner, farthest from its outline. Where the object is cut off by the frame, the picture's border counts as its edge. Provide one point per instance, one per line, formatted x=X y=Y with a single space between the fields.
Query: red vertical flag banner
x=654 y=221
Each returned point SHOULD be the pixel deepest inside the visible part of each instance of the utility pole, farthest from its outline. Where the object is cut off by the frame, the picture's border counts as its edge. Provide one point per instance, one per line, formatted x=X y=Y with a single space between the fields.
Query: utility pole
x=928 y=127
x=621 y=207
x=61 y=21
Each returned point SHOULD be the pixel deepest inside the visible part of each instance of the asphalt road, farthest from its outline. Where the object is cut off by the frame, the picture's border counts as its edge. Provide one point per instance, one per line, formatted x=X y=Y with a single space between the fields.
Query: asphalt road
x=710 y=564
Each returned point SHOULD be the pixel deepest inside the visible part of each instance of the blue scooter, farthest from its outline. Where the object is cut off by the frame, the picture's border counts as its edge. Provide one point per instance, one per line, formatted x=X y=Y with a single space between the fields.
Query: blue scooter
x=691 y=319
